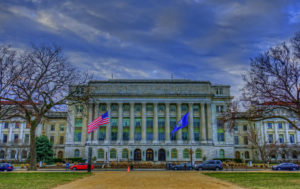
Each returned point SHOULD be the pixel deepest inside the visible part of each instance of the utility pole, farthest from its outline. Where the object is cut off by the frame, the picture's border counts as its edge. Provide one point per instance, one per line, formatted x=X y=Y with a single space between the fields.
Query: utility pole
x=90 y=159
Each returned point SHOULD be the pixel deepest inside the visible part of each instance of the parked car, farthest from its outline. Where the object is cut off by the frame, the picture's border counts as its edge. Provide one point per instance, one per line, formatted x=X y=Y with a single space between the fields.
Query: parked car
x=210 y=165
x=183 y=166
x=82 y=166
x=286 y=166
x=6 y=167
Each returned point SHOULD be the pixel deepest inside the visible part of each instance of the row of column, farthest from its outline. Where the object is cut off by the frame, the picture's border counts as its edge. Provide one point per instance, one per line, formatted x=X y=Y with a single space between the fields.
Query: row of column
x=205 y=122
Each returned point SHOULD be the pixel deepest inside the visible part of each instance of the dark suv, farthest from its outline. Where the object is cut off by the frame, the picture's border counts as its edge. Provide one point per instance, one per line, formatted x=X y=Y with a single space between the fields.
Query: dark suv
x=210 y=165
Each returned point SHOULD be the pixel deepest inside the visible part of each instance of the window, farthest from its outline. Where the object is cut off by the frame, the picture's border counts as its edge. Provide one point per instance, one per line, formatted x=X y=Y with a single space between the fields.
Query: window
x=16 y=137
x=125 y=153
x=161 y=128
x=281 y=138
x=114 y=122
x=236 y=140
x=77 y=134
x=236 y=128
x=103 y=108
x=294 y=155
x=114 y=133
x=100 y=154
x=17 y=125
x=290 y=126
x=149 y=107
x=247 y=156
x=126 y=107
x=13 y=154
x=196 y=129
x=172 y=125
x=161 y=108
x=113 y=154
x=61 y=140
x=245 y=140
x=221 y=153
x=220 y=108
x=292 y=138
x=4 y=138
x=78 y=122
x=137 y=129
x=173 y=153
x=186 y=153
x=138 y=108
x=114 y=107
x=126 y=122
x=79 y=108
x=149 y=129
x=52 y=139
x=2 y=154
x=102 y=133
x=173 y=108
x=245 y=128
x=220 y=130
x=184 y=108
x=185 y=133
x=6 y=125
x=62 y=127
x=26 y=138
x=196 y=108
x=269 y=125
x=270 y=137
x=52 y=127
x=219 y=91
x=279 y=125
x=198 y=154
x=76 y=153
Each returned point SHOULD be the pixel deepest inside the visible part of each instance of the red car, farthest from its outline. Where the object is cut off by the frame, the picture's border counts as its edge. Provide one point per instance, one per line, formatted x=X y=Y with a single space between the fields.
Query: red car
x=82 y=166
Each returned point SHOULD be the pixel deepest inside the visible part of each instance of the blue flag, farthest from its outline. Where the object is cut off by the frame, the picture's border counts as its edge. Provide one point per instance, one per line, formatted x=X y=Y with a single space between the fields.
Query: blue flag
x=181 y=123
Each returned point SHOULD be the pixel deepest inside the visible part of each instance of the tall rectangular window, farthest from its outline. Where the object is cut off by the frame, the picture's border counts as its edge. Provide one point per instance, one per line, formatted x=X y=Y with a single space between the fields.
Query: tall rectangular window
x=103 y=108
x=236 y=140
x=149 y=130
x=173 y=108
x=137 y=108
x=126 y=123
x=245 y=140
x=114 y=133
x=78 y=122
x=16 y=137
x=77 y=134
x=173 y=122
x=161 y=129
x=161 y=108
x=149 y=107
x=52 y=139
x=52 y=127
x=114 y=107
x=281 y=138
x=17 y=125
x=196 y=108
x=270 y=138
x=4 y=138
x=184 y=108
x=137 y=129
x=269 y=125
x=279 y=125
x=102 y=133
x=245 y=128
x=6 y=125
x=236 y=128
x=61 y=140
x=26 y=138
x=62 y=127
x=196 y=129
x=220 y=130
x=292 y=138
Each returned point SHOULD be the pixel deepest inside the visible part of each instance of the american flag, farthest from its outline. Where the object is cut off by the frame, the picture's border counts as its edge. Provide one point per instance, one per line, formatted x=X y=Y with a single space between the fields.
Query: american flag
x=101 y=120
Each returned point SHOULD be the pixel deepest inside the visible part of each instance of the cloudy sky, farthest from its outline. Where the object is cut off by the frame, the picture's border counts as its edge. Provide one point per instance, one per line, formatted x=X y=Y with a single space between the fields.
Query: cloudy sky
x=154 y=39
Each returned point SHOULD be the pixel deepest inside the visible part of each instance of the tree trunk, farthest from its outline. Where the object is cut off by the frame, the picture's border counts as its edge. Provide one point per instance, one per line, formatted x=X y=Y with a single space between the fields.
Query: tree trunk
x=32 y=165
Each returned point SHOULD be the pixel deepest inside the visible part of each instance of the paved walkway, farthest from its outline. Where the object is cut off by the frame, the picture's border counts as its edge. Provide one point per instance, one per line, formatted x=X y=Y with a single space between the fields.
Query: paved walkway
x=148 y=180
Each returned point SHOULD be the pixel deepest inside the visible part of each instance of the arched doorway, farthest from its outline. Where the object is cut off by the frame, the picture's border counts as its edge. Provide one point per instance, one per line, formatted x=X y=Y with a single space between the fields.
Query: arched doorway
x=149 y=155
x=161 y=155
x=237 y=155
x=137 y=155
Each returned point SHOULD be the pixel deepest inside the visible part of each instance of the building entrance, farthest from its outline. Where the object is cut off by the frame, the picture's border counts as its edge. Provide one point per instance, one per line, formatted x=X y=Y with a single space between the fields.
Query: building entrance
x=137 y=155
x=161 y=155
x=149 y=155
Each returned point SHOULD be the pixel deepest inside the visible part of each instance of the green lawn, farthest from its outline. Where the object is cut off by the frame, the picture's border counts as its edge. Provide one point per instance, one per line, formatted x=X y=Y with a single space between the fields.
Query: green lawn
x=261 y=180
x=37 y=180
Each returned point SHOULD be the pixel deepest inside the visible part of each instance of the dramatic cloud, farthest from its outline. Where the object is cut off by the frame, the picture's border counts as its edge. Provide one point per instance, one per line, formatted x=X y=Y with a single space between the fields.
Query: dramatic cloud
x=191 y=39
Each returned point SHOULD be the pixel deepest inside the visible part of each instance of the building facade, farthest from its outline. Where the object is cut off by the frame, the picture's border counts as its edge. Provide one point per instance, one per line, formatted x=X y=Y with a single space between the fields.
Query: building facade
x=142 y=115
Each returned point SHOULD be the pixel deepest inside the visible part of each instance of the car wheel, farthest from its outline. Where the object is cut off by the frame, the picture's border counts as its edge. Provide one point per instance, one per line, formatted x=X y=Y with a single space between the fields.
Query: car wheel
x=191 y=168
x=294 y=169
x=278 y=169
x=217 y=168
x=5 y=170
x=74 y=168
x=200 y=169
x=175 y=168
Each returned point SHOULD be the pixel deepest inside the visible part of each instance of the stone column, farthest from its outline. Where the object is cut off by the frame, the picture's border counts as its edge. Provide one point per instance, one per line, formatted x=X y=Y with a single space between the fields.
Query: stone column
x=276 y=132
x=90 y=119
x=11 y=125
x=155 y=124
x=265 y=132
x=203 y=124
x=286 y=130
x=298 y=136
x=1 y=127
x=107 y=139
x=120 y=122
x=179 y=132
x=143 y=122
x=70 y=126
x=191 y=123
x=96 y=114
x=208 y=113
x=23 y=125
x=131 y=132
x=167 y=123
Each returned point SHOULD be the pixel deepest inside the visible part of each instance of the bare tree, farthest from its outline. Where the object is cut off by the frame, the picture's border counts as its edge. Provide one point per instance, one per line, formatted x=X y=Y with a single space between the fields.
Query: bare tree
x=39 y=81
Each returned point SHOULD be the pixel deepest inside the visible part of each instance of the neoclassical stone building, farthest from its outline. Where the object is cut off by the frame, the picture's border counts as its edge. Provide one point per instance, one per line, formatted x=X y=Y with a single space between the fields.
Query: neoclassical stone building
x=142 y=115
